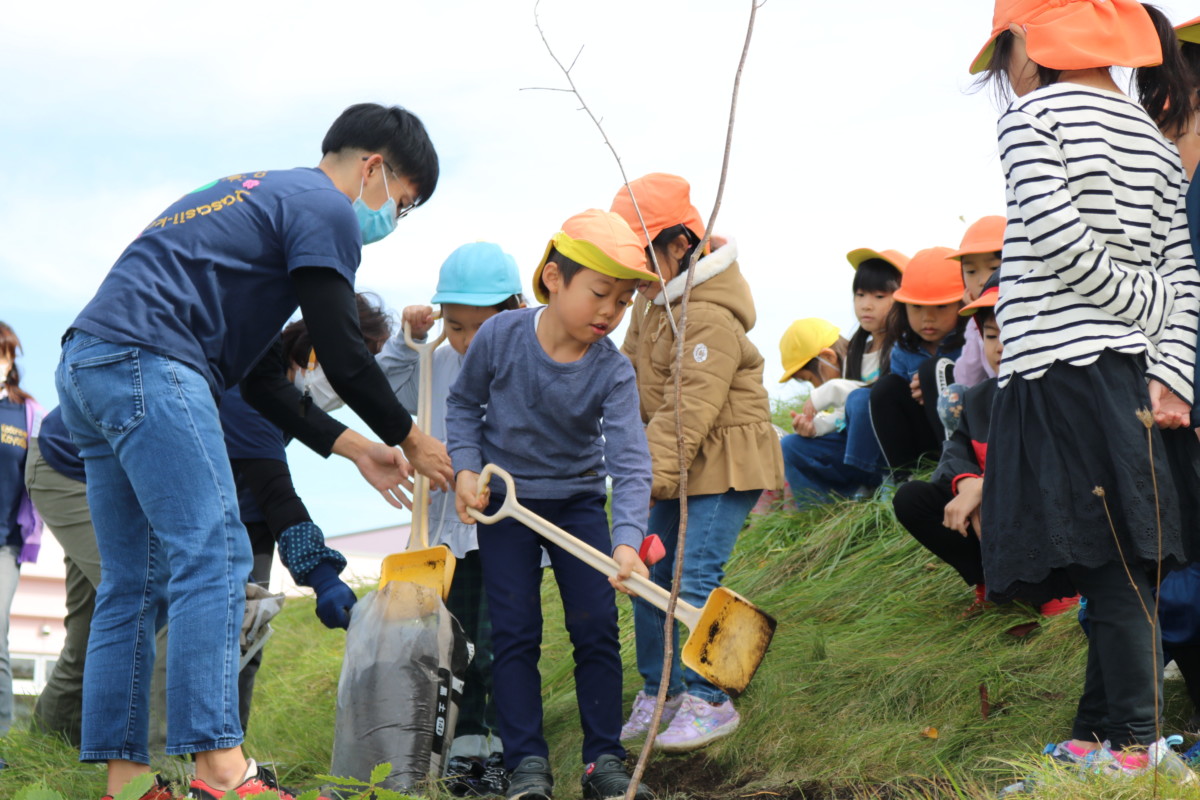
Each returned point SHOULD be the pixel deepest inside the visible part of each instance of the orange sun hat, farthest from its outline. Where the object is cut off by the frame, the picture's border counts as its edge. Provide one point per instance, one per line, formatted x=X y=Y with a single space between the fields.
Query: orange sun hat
x=893 y=257
x=932 y=278
x=665 y=201
x=1077 y=34
x=984 y=236
x=1189 y=31
x=599 y=240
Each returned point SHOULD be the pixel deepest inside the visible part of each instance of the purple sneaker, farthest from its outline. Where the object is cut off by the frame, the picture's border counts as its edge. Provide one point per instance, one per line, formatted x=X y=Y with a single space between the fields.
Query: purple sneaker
x=696 y=724
x=643 y=708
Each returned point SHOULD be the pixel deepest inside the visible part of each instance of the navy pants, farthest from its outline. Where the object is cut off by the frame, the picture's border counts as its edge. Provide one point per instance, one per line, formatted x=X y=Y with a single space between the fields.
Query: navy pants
x=512 y=577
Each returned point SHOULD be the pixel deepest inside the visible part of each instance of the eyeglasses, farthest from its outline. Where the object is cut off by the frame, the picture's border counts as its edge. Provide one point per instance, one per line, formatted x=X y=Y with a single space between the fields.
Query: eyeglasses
x=401 y=213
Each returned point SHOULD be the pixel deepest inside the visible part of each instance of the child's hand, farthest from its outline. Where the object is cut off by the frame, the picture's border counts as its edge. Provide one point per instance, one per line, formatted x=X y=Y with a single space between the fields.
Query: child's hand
x=803 y=425
x=419 y=319
x=466 y=497
x=915 y=386
x=628 y=562
x=809 y=409
x=1169 y=410
x=963 y=510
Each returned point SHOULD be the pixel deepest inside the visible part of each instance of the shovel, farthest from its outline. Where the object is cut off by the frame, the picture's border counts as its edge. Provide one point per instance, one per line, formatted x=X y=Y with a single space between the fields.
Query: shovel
x=729 y=636
x=432 y=567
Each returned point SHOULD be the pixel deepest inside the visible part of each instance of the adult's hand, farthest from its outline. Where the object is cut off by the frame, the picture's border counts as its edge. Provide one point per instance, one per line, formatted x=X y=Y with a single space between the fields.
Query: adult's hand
x=428 y=456
x=1168 y=409
x=381 y=466
x=334 y=597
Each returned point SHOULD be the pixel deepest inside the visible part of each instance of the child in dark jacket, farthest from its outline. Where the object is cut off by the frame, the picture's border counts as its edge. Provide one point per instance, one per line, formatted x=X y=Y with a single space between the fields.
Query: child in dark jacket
x=943 y=514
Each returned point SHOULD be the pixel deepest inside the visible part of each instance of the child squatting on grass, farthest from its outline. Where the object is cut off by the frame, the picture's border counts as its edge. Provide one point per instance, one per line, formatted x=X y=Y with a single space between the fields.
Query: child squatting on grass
x=1098 y=312
x=833 y=452
x=731 y=449
x=476 y=282
x=943 y=513
x=927 y=332
x=544 y=394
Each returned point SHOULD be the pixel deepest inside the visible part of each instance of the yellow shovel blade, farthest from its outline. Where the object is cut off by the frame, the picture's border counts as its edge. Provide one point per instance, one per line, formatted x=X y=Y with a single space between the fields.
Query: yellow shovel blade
x=729 y=641
x=432 y=567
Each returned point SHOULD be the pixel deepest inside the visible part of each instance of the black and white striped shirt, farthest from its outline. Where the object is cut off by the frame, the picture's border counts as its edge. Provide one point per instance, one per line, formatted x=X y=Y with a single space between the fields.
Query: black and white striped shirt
x=1096 y=253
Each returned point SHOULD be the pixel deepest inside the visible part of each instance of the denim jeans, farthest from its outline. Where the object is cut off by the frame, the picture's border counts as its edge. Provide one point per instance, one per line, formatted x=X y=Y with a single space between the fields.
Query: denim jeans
x=862 y=446
x=9 y=573
x=165 y=511
x=817 y=471
x=714 y=522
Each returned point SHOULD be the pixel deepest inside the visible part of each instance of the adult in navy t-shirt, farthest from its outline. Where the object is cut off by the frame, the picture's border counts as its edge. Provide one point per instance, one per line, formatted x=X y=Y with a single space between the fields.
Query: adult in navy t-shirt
x=186 y=312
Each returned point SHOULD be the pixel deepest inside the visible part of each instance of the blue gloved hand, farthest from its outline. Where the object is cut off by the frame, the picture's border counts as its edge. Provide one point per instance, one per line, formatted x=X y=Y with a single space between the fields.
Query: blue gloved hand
x=334 y=597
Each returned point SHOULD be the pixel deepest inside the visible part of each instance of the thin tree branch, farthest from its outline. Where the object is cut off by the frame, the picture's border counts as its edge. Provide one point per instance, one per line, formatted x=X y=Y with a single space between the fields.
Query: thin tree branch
x=566 y=71
x=680 y=343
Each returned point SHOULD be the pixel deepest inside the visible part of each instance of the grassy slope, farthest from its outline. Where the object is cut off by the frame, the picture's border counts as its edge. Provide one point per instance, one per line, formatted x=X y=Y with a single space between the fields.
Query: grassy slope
x=870 y=653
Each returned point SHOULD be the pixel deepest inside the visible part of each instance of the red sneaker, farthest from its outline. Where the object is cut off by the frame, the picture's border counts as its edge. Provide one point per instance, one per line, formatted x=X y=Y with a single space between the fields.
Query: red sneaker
x=161 y=790
x=262 y=782
x=1062 y=605
x=978 y=605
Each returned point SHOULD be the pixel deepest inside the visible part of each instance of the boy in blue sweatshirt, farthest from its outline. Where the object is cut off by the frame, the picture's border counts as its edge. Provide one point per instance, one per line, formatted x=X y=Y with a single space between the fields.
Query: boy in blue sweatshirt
x=561 y=415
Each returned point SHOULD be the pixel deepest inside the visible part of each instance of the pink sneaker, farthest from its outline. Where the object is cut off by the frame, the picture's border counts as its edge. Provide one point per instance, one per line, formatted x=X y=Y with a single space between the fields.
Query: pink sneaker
x=696 y=724
x=643 y=708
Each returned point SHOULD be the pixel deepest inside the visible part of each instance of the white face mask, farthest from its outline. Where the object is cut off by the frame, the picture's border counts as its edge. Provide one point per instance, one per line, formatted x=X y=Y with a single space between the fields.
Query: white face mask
x=314 y=384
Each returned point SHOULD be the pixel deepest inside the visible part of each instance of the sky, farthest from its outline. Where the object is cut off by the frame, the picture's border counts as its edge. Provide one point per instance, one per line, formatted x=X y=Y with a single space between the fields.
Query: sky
x=856 y=127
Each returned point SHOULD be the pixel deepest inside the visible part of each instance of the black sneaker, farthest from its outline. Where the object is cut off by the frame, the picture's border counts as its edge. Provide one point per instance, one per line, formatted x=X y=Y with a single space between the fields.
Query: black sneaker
x=606 y=777
x=462 y=777
x=531 y=780
x=495 y=776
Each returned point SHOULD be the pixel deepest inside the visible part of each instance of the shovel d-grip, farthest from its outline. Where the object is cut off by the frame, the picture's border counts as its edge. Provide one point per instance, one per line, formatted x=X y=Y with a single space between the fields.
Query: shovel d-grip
x=729 y=635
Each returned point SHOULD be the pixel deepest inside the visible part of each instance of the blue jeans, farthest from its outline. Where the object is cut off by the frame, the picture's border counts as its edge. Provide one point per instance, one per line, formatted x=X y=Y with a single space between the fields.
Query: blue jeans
x=862 y=446
x=817 y=471
x=9 y=574
x=714 y=522
x=165 y=510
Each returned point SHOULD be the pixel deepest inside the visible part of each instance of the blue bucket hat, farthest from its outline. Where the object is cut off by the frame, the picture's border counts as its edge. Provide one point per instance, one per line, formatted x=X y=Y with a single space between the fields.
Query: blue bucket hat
x=478 y=274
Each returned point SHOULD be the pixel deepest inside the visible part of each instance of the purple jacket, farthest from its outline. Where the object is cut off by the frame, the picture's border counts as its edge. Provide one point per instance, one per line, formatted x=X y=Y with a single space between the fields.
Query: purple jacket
x=27 y=516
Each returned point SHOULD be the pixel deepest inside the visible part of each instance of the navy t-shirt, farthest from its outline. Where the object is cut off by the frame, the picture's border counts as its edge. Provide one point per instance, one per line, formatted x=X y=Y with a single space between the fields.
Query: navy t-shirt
x=207 y=281
x=248 y=434
x=54 y=442
x=14 y=444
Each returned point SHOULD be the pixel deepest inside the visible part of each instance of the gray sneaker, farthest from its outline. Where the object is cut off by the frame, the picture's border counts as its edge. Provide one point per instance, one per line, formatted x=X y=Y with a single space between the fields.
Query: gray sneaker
x=531 y=780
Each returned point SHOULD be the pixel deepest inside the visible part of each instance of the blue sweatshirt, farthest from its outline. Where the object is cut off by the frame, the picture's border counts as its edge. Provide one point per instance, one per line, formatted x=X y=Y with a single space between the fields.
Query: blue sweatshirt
x=560 y=429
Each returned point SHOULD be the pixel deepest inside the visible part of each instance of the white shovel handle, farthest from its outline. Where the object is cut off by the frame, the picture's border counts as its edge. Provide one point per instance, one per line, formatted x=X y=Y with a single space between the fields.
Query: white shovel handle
x=419 y=537
x=643 y=587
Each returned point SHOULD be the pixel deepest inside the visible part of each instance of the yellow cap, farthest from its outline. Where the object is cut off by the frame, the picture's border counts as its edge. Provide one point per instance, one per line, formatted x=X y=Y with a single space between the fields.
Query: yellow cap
x=599 y=240
x=803 y=341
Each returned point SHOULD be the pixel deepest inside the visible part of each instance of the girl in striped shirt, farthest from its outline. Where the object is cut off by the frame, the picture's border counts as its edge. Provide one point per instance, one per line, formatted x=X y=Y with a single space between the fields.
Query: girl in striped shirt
x=1098 y=311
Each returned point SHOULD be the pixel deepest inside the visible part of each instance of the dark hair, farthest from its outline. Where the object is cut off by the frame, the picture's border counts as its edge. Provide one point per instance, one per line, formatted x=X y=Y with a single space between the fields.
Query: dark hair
x=901 y=333
x=668 y=235
x=872 y=275
x=1167 y=91
x=983 y=316
x=391 y=130
x=511 y=303
x=567 y=268
x=10 y=346
x=373 y=320
x=996 y=73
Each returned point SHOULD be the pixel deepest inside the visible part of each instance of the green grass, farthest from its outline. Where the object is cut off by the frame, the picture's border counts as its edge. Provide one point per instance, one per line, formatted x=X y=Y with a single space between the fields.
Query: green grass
x=869 y=656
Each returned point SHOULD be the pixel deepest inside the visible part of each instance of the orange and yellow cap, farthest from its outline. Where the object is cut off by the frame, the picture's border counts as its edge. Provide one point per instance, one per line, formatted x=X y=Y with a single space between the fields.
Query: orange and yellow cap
x=1189 y=31
x=984 y=236
x=599 y=240
x=665 y=201
x=932 y=278
x=893 y=257
x=1077 y=34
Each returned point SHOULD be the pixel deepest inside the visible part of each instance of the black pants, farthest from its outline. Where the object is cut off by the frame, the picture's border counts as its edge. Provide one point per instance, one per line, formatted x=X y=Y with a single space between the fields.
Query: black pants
x=1124 y=663
x=468 y=603
x=920 y=508
x=906 y=429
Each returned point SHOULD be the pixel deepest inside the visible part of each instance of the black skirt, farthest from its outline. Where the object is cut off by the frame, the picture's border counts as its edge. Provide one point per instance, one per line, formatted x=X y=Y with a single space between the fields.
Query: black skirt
x=1070 y=480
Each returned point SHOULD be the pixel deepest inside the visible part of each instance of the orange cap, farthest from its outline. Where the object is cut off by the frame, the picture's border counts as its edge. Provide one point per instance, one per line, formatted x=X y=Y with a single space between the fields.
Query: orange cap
x=1189 y=31
x=893 y=257
x=984 y=236
x=665 y=201
x=599 y=240
x=987 y=298
x=1077 y=34
x=932 y=278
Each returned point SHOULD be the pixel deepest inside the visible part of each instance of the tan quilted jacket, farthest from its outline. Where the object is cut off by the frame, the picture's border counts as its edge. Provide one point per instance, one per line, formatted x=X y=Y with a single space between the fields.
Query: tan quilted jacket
x=729 y=442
